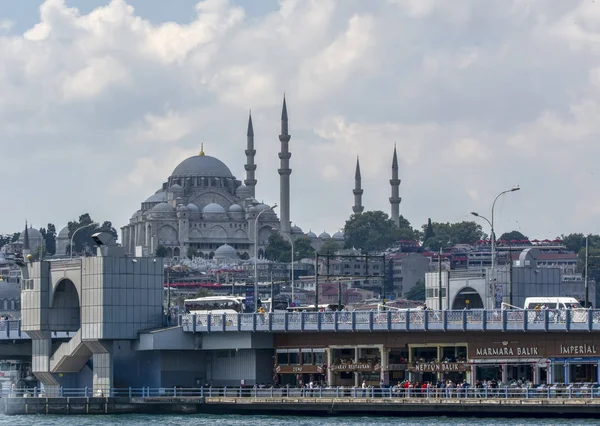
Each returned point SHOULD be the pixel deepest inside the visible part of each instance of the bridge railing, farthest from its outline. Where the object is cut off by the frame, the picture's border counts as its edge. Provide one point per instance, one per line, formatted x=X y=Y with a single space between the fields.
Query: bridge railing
x=11 y=330
x=573 y=391
x=409 y=320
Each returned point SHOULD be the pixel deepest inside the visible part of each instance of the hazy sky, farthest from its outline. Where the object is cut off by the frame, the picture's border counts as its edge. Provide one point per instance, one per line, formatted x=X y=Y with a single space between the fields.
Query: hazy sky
x=99 y=101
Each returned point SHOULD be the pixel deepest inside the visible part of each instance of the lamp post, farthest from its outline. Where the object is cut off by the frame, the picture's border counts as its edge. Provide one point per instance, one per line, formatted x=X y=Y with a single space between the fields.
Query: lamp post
x=513 y=189
x=587 y=245
x=74 y=232
x=289 y=238
x=256 y=255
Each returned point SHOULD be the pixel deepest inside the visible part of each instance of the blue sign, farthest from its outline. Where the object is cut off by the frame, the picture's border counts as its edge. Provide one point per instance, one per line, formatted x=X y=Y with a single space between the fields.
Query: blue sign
x=249 y=302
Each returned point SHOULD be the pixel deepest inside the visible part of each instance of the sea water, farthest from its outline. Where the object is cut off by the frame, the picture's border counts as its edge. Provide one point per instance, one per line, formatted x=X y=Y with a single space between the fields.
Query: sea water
x=246 y=420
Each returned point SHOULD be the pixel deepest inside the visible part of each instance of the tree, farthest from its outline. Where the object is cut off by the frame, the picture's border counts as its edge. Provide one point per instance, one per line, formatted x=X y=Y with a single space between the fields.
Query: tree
x=417 y=292
x=428 y=230
x=449 y=234
x=278 y=249
x=5 y=239
x=303 y=248
x=329 y=247
x=83 y=241
x=15 y=237
x=375 y=231
x=574 y=242
x=161 y=251
x=49 y=236
x=512 y=235
x=190 y=253
x=203 y=292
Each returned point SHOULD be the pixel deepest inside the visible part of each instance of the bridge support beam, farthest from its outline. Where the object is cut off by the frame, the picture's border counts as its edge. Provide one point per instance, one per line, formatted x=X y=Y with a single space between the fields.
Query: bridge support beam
x=41 y=351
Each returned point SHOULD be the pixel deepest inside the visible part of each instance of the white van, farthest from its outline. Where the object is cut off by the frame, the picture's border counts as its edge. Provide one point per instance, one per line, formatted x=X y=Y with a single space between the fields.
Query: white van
x=552 y=303
x=557 y=307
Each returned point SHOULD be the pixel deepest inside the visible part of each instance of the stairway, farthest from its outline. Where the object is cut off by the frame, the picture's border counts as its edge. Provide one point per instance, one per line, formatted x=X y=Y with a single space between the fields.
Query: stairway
x=71 y=356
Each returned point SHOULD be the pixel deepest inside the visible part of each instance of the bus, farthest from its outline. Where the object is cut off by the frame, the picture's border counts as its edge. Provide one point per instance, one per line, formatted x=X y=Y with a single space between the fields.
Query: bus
x=214 y=305
x=320 y=308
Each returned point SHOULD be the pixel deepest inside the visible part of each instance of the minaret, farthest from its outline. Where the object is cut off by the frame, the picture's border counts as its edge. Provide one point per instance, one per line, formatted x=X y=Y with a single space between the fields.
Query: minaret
x=26 y=249
x=284 y=172
x=395 y=198
x=250 y=167
x=358 y=192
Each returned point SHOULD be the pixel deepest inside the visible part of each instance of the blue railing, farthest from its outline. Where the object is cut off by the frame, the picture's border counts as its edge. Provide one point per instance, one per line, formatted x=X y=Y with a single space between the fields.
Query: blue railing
x=572 y=391
x=408 y=320
x=11 y=330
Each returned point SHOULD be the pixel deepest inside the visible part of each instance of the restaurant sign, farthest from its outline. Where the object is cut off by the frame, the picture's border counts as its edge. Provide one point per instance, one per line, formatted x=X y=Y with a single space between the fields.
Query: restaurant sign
x=434 y=367
x=355 y=367
x=298 y=369
x=507 y=349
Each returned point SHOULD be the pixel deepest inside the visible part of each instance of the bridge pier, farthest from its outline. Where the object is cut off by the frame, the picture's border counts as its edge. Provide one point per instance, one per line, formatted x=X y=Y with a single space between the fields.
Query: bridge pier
x=41 y=347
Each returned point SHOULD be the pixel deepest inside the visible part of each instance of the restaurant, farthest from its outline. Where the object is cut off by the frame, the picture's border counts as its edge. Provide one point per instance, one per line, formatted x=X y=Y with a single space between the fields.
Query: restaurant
x=386 y=358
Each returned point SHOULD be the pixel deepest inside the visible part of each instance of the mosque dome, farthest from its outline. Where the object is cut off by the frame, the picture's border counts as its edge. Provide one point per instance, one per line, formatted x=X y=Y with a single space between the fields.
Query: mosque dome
x=181 y=208
x=311 y=234
x=339 y=235
x=296 y=230
x=159 y=197
x=235 y=208
x=213 y=208
x=243 y=192
x=261 y=207
x=193 y=208
x=202 y=165
x=64 y=233
x=163 y=208
x=176 y=188
x=225 y=252
x=33 y=234
x=324 y=236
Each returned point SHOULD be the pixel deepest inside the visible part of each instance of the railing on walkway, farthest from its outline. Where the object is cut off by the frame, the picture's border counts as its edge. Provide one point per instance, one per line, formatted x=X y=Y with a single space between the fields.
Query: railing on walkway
x=588 y=391
x=409 y=320
x=11 y=330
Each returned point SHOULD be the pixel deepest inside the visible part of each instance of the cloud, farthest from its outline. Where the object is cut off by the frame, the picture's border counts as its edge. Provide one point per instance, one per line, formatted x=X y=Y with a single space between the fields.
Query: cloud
x=100 y=106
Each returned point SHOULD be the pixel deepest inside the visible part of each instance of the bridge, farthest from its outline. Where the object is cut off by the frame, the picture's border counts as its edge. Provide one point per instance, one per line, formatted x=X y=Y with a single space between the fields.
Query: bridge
x=398 y=321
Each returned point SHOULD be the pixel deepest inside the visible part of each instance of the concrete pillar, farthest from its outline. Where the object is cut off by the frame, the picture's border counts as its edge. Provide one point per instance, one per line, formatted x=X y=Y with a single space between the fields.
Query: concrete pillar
x=473 y=377
x=504 y=373
x=567 y=378
x=329 y=352
x=356 y=374
x=598 y=372
x=385 y=374
x=103 y=373
x=41 y=351
x=440 y=375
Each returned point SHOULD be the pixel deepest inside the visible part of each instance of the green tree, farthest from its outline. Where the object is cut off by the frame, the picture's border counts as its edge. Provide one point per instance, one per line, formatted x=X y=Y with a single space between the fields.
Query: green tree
x=428 y=231
x=15 y=237
x=512 y=235
x=417 y=292
x=83 y=241
x=449 y=234
x=203 y=292
x=303 y=248
x=49 y=236
x=39 y=253
x=191 y=252
x=161 y=251
x=329 y=247
x=5 y=239
x=375 y=231
x=278 y=249
x=574 y=242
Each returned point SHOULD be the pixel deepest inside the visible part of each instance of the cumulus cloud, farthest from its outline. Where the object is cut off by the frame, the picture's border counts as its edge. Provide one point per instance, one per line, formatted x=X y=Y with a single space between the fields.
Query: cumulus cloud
x=100 y=106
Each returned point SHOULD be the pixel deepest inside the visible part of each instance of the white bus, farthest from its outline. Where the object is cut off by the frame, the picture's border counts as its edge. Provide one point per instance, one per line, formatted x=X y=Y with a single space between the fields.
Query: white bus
x=214 y=305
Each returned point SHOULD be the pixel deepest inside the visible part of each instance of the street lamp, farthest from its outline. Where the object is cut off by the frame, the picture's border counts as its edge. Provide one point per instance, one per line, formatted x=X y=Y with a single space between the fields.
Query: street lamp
x=256 y=255
x=513 y=189
x=74 y=232
x=292 y=244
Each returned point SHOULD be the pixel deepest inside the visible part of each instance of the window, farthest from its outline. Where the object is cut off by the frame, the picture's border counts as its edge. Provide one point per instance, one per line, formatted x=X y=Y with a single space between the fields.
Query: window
x=294 y=358
x=307 y=357
x=319 y=358
x=282 y=359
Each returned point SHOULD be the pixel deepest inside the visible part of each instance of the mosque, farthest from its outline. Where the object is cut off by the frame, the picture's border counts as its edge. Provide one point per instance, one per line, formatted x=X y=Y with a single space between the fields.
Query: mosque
x=204 y=206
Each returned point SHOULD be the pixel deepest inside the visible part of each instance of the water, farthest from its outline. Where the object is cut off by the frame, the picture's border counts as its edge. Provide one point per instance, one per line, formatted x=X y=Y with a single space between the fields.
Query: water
x=237 y=420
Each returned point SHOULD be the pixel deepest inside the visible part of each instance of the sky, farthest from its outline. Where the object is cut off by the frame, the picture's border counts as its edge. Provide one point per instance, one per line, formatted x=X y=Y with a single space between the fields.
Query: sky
x=100 y=100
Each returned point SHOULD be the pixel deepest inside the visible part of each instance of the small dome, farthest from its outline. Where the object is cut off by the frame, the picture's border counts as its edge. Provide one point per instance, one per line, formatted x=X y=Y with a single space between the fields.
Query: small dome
x=175 y=188
x=339 y=235
x=163 y=208
x=243 y=192
x=181 y=208
x=324 y=236
x=235 y=208
x=33 y=234
x=262 y=207
x=296 y=230
x=193 y=208
x=213 y=208
x=136 y=215
x=225 y=252
x=311 y=234
x=159 y=197
x=64 y=233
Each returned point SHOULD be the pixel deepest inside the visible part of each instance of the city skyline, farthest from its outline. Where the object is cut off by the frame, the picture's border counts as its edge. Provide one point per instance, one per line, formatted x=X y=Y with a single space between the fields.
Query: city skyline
x=100 y=104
